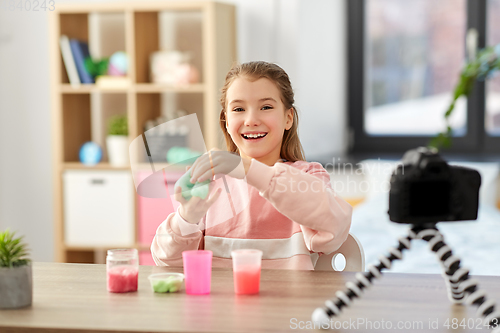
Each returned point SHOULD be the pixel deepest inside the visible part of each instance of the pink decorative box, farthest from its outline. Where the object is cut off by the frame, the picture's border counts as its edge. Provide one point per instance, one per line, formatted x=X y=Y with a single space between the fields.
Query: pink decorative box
x=152 y=212
x=146 y=259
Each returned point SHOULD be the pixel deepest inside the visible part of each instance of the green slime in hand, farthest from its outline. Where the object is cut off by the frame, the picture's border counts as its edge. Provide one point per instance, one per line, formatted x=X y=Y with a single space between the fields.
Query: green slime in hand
x=189 y=189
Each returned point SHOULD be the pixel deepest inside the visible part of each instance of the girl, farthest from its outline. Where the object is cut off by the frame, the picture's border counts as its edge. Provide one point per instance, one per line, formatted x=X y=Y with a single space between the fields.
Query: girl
x=279 y=203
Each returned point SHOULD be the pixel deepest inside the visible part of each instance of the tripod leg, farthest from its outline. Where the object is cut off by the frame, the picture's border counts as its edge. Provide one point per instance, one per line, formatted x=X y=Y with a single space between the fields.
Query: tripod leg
x=363 y=280
x=452 y=273
x=460 y=286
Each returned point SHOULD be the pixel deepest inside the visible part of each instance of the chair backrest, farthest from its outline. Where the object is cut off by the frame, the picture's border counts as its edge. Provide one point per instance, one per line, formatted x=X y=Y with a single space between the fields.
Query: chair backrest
x=354 y=255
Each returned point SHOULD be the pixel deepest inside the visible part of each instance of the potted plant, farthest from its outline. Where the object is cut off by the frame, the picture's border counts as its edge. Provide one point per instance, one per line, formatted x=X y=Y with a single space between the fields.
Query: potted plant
x=117 y=140
x=16 y=284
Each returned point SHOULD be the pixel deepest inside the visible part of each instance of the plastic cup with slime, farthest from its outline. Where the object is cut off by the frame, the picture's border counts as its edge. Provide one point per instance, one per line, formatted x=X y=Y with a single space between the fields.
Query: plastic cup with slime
x=166 y=282
x=246 y=271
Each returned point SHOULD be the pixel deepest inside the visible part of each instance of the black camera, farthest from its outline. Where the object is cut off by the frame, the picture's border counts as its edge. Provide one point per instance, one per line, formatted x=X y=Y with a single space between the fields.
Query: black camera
x=425 y=189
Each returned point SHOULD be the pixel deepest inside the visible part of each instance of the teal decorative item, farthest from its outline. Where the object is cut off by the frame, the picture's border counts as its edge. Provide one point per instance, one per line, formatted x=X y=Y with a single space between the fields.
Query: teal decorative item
x=90 y=153
x=118 y=64
x=189 y=189
x=181 y=155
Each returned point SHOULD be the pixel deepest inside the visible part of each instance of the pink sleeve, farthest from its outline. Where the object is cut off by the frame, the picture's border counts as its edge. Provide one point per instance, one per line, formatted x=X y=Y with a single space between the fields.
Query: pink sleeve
x=303 y=193
x=173 y=236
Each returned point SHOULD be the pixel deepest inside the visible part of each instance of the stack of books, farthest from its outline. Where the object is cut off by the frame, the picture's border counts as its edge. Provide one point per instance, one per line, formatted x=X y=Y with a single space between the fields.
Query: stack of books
x=74 y=53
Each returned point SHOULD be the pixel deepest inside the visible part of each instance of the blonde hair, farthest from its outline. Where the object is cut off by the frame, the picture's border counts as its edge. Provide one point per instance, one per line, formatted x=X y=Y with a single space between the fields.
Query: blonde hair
x=291 y=148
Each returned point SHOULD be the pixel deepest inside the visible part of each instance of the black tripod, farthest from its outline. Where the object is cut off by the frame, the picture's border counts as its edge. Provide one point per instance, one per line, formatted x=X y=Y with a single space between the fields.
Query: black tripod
x=459 y=284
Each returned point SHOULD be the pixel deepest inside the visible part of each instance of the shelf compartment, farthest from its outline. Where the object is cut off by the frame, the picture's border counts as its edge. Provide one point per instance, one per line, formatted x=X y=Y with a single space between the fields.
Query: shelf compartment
x=76 y=124
x=103 y=32
x=146 y=42
x=148 y=108
x=107 y=33
x=74 y=25
x=104 y=106
x=153 y=105
x=167 y=30
x=85 y=118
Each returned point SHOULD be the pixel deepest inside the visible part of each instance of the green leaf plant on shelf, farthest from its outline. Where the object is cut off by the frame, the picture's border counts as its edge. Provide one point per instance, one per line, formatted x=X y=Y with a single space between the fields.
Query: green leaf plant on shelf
x=16 y=282
x=96 y=67
x=117 y=141
x=481 y=67
x=118 y=125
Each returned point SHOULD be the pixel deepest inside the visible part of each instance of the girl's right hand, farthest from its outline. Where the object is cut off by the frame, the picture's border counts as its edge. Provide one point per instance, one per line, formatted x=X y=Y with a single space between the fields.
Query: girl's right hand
x=194 y=209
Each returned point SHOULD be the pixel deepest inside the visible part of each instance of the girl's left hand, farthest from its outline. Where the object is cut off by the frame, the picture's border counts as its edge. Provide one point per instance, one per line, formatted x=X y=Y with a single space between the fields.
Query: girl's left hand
x=224 y=162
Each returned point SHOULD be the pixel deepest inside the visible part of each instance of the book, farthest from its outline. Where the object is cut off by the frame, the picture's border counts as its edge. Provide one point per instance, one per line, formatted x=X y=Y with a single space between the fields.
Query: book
x=80 y=52
x=69 y=61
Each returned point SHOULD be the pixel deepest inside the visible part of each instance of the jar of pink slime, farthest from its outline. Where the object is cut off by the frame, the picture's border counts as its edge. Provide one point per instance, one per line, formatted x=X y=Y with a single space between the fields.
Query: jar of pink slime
x=122 y=268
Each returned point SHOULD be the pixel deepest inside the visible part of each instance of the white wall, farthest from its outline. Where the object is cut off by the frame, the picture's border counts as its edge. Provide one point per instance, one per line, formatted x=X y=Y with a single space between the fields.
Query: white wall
x=26 y=202
x=305 y=37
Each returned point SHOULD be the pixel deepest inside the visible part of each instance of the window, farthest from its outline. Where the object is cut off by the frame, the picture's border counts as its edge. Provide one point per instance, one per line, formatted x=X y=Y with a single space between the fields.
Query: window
x=492 y=119
x=404 y=61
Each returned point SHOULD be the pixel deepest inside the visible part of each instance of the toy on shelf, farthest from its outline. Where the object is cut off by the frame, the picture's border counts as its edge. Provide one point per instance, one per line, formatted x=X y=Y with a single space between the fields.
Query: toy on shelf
x=90 y=153
x=173 y=68
x=181 y=155
x=114 y=74
x=118 y=64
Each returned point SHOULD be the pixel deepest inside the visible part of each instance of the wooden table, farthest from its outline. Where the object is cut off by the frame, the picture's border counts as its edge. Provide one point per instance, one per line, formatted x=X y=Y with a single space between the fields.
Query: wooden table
x=73 y=297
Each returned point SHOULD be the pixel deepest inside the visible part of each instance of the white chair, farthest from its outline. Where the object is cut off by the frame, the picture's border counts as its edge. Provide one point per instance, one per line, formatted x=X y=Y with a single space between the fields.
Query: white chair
x=354 y=255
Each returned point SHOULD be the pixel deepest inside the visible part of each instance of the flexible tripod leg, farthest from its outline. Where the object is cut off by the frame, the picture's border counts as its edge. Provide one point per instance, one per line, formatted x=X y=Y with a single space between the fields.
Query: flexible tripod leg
x=363 y=280
x=460 y=285
x=457 y=280
x=452 y=272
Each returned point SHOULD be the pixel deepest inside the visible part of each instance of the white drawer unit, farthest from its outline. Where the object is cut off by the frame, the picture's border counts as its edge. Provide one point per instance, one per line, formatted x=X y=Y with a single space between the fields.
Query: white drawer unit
x=98 y=208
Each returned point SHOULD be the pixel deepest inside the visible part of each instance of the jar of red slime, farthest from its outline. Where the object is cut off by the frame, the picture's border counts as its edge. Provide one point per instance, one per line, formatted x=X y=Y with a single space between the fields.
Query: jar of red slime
x=122 y=268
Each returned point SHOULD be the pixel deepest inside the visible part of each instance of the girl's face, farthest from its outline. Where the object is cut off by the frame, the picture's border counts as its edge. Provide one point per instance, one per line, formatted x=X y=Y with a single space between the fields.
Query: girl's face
x=255 y=109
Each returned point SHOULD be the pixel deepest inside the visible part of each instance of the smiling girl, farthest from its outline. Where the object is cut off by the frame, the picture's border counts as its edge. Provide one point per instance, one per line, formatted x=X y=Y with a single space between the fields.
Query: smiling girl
x=285 y=206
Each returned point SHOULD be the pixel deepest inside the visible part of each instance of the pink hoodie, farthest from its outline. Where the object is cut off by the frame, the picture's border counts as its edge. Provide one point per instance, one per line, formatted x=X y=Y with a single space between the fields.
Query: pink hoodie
x=289 y=211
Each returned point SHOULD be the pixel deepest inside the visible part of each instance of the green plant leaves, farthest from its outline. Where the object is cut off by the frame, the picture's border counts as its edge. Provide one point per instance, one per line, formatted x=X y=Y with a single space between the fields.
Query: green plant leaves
x=486 y=63
x=12 y=250
x=97 y=67
x=118 y=125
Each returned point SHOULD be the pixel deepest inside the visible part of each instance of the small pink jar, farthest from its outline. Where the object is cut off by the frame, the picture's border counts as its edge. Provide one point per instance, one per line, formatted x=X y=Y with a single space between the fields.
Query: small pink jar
x=122 y=270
